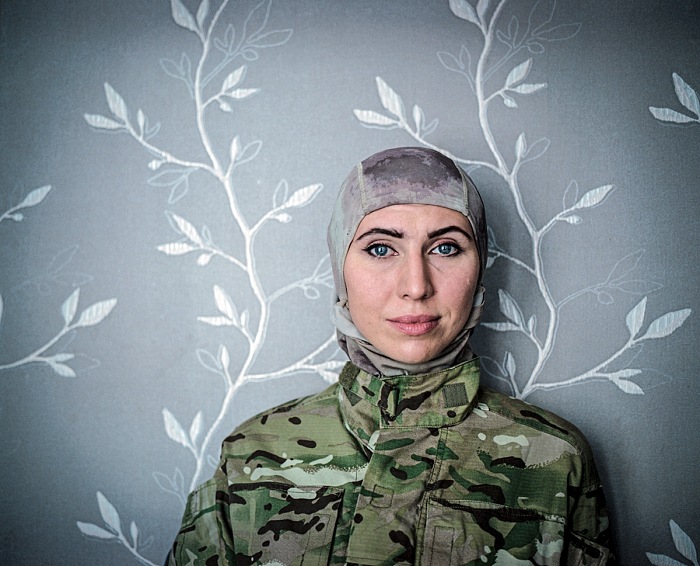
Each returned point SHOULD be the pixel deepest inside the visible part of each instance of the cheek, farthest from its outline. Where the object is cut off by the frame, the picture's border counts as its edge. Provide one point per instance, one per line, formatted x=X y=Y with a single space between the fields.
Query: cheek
x=355 y=288
x=361 y=295
x=460 y=293
x=366 y=297
x=360 y=277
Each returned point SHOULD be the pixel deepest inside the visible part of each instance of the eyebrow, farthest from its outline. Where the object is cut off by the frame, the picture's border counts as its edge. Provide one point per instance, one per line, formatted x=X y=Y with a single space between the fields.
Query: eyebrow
x=383 y=231
x=447 y=229
x=397 y=234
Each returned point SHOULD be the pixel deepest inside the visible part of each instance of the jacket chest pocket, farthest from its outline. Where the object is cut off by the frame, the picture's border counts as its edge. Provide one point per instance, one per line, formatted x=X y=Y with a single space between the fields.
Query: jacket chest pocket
x=287 y=524
x=476 y=533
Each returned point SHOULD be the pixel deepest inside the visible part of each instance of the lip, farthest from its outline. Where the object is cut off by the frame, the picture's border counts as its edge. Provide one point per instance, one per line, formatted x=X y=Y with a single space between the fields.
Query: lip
x=414 y=324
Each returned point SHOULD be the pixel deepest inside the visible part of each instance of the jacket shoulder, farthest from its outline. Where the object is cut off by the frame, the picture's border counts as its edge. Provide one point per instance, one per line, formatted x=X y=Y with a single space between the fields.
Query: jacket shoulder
x=528 y=417
x=310 y=424
x=290 y=412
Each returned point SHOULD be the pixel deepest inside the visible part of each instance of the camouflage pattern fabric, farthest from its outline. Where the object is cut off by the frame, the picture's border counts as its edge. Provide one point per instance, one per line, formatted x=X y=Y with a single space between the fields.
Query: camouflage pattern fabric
x=430 y=470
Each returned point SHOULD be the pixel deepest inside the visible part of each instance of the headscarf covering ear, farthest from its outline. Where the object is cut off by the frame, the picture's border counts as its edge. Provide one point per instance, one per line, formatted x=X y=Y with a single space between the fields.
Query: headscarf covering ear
x=404 y=175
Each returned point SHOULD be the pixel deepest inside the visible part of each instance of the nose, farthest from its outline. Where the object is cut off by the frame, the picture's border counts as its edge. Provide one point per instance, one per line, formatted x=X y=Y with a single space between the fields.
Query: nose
x=415 y=278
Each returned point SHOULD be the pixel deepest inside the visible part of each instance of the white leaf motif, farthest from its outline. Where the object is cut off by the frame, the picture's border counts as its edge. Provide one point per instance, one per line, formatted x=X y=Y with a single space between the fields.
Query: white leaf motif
x=241 y=93
x=233 y=78
x=666 y=324
x=202 y=12
x=70 y=306
x=518 y=73
x=62 y=369
x=216 y=320
x=635 y=318
x=520 y=146
x=668 y=115
x=463 y=9
x=625 y=373
x=249 y=152
x=116 y=103
x=302 y=196
x=109 y=513
x=165 y=483
x=593 y=197
x=418 y=117
x=374 y=118
x=176 y=248
x=532 y=324
x=628 y=386
x=94 y=531
x=207 y=360
x=528 y=88
x=537 y=149
x=187 y=229
x=235 y=150
x=390 y=100
x=174 y=430
x=510 y=308
x=204 y=259
x=572 y=219
x=683 y=542
x=509 y=102
x=102 y=122
x=450 y=62
x=224 y=357
x=35 y=197
x=281 y=193
x=686 y=95
x=134 y=530
x=225 y=304
x=195 y=427
x=500 y=326
x=510 y=364
x=182 y=16
x=96 y=313
x=481 y=7
x=570 y=195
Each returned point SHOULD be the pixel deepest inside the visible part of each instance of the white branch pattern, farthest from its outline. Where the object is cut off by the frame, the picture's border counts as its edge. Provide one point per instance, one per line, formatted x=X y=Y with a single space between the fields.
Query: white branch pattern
x=92 y=315
x=174 y=172
x=684 y=545
x=487 y=18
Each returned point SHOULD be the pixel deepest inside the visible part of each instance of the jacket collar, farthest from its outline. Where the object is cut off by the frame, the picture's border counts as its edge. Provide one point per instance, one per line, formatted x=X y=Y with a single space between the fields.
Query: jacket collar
x=370 y=403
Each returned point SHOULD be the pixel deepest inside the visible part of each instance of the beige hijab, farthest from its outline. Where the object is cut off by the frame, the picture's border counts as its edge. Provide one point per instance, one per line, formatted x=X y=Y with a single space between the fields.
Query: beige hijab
x=404 y=175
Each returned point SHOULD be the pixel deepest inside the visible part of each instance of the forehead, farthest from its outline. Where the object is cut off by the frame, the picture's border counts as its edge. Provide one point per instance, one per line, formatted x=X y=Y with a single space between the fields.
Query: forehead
x=414 y=217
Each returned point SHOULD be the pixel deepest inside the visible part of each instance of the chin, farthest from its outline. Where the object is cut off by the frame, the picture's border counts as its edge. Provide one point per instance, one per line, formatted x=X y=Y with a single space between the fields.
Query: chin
x=412 y=357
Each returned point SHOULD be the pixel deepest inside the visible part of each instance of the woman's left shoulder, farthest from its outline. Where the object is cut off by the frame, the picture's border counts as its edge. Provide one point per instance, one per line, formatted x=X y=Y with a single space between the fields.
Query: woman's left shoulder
x=532 y=418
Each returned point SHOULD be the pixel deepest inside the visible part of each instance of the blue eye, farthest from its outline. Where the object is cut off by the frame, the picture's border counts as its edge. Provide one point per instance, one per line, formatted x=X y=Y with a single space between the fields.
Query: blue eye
x=378 y=250
x=446 y=249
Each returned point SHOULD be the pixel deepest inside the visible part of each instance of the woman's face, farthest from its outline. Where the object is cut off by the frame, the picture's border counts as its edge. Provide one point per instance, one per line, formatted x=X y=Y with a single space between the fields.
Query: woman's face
x=411 y=271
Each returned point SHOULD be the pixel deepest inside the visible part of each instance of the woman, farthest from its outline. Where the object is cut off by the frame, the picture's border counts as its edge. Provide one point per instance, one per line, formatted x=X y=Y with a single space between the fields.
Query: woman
x=407 y=460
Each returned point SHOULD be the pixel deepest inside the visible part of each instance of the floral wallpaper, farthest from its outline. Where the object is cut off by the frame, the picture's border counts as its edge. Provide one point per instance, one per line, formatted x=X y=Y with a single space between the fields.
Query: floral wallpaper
x=169 y=170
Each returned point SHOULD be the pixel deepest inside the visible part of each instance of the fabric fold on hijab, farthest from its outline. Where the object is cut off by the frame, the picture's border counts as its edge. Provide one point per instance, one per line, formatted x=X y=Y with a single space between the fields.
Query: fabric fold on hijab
x=406 y=175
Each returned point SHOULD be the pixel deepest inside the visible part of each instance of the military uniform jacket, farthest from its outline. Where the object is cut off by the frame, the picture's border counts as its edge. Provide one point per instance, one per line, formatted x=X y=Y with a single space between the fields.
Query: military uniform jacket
x=430 y=470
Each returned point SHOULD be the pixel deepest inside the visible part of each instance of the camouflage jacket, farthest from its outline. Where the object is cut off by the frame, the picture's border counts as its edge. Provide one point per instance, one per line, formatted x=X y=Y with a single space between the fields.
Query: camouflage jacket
x=403 y=470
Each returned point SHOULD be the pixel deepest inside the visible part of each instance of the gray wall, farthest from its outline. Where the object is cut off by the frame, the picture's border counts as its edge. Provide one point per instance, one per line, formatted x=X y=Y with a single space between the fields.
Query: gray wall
x=114 y=398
